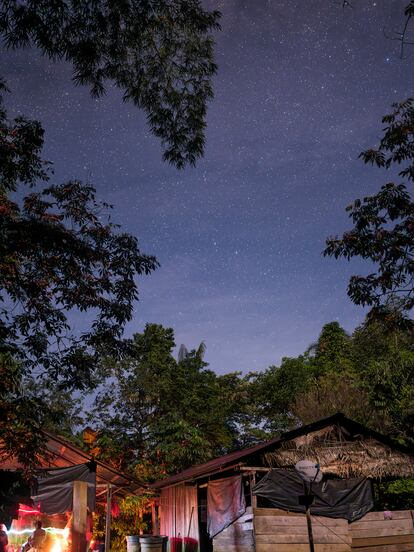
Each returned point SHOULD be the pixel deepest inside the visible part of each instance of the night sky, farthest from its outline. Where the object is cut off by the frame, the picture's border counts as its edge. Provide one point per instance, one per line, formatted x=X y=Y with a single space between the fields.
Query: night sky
x=300 y=91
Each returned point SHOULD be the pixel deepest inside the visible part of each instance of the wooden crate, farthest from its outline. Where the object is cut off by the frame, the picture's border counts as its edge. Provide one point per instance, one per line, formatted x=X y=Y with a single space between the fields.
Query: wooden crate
x=279 y=531
x=373 y=533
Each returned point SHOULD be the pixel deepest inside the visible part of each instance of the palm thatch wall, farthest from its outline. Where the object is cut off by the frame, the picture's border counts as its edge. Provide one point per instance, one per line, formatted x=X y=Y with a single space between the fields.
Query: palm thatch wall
x=340 y=453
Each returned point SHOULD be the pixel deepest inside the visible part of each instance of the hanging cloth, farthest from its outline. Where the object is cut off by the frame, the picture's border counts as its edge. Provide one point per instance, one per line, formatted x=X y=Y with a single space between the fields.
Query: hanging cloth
x=225 y=503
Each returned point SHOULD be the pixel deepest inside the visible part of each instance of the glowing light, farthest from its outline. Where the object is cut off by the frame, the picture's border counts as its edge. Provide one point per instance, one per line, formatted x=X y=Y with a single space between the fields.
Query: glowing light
x=65 y=532
x=52 y=530
x=25 y=509
x=19 y=532
x=57 y=546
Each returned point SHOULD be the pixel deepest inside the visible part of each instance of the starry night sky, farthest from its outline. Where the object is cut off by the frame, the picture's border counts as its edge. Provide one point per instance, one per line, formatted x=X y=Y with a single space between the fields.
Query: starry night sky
x=300 y=91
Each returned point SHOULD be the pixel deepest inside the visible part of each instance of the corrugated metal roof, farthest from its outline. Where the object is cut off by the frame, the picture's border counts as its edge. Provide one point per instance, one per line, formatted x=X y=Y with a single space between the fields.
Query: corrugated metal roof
x=214 y=465
x=64 y=454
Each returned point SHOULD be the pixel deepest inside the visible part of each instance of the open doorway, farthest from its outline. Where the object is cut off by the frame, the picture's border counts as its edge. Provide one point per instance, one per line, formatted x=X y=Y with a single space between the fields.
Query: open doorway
x=206 y=543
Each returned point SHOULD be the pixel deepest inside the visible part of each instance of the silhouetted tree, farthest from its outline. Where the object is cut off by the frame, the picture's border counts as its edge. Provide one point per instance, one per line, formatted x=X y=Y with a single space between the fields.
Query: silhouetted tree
x=383 y=231
x=158 y=53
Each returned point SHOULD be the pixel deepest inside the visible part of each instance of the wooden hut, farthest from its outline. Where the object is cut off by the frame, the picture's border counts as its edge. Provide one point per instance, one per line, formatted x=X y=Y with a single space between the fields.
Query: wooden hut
x=342 y=447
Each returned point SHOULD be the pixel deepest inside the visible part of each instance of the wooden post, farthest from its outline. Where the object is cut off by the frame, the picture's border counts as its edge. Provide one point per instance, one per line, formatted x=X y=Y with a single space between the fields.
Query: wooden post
x=309 y=497
x=108 y=518
x=253 y=497
x=310 y=532
x=141 y=517
x=80 y=515
x=155 y=519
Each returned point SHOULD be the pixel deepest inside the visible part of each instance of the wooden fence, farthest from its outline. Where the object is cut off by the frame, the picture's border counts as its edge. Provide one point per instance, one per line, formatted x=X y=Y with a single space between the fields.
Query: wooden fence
x=373 y=533
x=279 y=531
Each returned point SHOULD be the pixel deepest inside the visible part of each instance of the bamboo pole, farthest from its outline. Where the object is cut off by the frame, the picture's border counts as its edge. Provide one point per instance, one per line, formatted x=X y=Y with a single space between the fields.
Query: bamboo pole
x=108 y=518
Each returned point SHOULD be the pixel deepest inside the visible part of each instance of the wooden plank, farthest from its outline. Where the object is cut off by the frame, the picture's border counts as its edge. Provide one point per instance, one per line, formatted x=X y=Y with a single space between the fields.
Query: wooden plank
x=302 y=539
x=378 y=516
x=247 y=526
x=340 y=529
x=381 y=532
x=233 y=538
x=234 y=548
x=303 y=530
x=224 y=544
x=374 y=525
x=263 y=523
x=275 y=512
x=295 y=520
x=236 y=540
x=234 y=529
x=242 y=536
x=374 y=541
x=80 y=514
x=371 y=516
x=271 y=524
x=302 y=548
x=385 y=548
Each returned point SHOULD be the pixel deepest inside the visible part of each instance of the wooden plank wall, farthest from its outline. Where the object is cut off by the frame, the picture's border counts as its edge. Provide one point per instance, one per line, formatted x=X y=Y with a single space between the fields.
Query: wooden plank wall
x=373 y=533
x=237 y=537
x=280 y=531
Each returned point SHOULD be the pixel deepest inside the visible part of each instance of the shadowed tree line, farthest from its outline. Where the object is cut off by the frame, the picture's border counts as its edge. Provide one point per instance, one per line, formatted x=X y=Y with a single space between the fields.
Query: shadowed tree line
x=156 y=415
x=60 y=252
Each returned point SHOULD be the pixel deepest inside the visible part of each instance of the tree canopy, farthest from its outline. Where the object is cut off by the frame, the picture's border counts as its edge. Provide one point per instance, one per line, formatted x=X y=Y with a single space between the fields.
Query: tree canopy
x=383 y=231
x=158 y=53
x=156 y=415
x=170 y=413
x=59 y=252
x=61 y=255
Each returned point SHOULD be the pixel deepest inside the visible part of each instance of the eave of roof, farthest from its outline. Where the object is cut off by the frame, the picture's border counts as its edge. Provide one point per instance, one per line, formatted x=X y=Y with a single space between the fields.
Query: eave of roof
x=104 y=472
x=64 y=453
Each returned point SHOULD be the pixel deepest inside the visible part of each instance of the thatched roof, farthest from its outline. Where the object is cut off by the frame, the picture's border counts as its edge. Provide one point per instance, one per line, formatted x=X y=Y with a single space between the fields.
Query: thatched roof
x=344 y=454
x=342 y=446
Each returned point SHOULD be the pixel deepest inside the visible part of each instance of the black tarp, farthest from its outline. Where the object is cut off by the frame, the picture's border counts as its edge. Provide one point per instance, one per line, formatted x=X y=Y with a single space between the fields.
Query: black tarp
x=337 y=498
x=225 y=503
x=54 y=492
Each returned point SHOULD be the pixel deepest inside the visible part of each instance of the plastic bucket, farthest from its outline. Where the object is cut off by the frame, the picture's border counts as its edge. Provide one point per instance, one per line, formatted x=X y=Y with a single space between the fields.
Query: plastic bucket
x=164 y=543
x=133 y=543
x=190 y=545
x=176 y=544
x=151 y=543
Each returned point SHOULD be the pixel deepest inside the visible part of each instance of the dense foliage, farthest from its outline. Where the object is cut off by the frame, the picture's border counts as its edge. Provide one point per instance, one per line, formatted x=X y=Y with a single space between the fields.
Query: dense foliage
x=21 y=416
x=61 y=256
x=157 y=415
x=160 y=415
x=59 y=252
x=158 y=53
x=27 y=407
x=128 y=518
x=383 y=231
